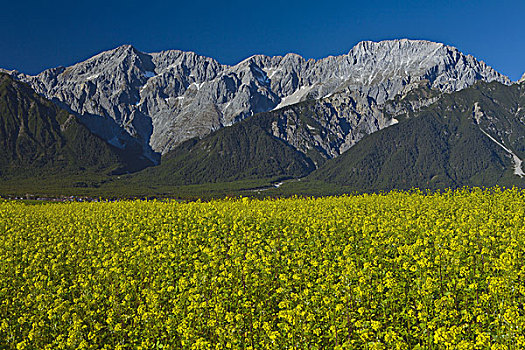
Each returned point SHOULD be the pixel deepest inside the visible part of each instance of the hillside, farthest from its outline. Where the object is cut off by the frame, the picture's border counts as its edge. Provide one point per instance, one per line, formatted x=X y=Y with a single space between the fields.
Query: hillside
x=40 y=139
x=475 y=137
x=246 y=150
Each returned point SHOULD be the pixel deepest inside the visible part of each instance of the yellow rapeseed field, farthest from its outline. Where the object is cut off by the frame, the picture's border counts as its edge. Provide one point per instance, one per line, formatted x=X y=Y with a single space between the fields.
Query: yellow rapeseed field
x=393 y=271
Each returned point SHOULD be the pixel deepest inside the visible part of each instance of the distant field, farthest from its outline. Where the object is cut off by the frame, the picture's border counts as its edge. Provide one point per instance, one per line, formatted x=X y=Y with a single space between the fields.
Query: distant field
x=394 y=271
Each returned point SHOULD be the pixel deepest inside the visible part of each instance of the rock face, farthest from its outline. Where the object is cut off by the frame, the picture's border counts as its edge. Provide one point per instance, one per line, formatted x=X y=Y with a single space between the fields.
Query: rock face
x=162 y=99
x=330 y=126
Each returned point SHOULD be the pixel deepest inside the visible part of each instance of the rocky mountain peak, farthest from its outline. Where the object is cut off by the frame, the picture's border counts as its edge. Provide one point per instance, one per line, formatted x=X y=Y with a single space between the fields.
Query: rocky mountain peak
x=369 y=45
x=126 y=48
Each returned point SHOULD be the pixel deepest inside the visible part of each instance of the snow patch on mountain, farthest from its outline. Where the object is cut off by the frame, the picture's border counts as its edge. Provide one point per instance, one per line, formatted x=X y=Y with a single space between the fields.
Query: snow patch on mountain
x=296 y=97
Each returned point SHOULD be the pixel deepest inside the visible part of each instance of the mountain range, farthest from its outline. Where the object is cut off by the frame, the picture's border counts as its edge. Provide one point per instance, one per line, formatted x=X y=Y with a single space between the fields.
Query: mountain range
x=389 y=114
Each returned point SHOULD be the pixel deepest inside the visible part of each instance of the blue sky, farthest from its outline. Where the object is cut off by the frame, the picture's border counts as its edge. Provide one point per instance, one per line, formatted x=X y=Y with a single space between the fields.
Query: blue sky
x=37 y=35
